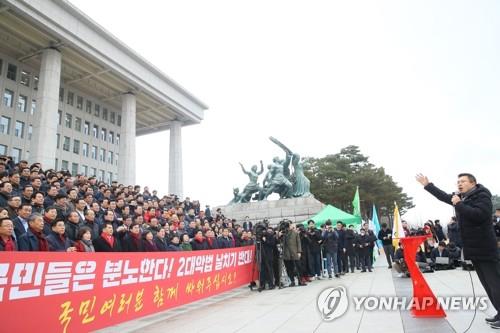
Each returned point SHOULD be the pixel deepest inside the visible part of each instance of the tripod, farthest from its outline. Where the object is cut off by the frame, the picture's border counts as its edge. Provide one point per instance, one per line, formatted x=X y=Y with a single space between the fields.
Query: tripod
x=282 y=278
x=258 y=265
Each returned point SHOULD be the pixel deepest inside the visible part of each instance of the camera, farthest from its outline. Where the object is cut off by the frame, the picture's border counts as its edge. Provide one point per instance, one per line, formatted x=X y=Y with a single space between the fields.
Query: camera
x=284 y=226
x=259 y=230
x=301 y=229
x=418 y=232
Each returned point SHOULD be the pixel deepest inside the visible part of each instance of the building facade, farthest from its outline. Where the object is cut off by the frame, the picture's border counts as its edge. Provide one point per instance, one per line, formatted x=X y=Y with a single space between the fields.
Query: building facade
x=88 y=130
x=74 y=97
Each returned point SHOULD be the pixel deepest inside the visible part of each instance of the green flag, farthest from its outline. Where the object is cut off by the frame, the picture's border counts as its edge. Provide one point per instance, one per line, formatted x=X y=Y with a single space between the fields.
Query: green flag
x=356 y=211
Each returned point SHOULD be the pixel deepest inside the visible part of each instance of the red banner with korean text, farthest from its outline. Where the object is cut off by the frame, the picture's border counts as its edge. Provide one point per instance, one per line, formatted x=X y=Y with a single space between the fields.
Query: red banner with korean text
x=82 y=292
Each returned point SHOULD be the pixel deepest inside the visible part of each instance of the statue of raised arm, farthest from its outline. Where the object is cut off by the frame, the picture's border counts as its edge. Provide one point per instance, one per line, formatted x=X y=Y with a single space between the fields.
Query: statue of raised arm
x=243 y=168
x=288 y=156
x=252 y=186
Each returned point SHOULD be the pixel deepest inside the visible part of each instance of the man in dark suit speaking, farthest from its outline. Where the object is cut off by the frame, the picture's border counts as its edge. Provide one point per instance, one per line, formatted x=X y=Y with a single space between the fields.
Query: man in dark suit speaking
x=473 y=208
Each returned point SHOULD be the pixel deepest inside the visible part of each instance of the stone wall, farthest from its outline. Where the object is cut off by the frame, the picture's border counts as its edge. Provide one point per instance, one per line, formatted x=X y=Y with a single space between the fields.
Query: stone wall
x=295 y=209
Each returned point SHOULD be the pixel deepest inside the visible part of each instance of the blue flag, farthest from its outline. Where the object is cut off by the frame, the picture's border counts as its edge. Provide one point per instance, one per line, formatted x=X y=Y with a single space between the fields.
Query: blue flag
x=376 y=224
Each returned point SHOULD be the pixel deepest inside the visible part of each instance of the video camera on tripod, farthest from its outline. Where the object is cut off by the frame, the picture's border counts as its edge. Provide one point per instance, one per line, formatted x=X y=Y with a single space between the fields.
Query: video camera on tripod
x=259 y=230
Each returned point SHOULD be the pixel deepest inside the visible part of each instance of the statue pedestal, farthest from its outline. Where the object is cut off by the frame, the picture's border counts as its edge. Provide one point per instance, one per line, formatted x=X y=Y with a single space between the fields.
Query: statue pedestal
x=295 y=210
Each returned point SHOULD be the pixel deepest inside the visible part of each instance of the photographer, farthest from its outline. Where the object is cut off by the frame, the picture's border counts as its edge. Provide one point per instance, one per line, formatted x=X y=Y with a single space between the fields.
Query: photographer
x=314 y=249
x=304 y=258
x=268 y=242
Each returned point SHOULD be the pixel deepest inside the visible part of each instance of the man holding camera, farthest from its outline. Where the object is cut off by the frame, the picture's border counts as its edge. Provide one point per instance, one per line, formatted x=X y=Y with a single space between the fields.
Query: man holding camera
x=473 y=208
x=268 y=243
x=315 y=249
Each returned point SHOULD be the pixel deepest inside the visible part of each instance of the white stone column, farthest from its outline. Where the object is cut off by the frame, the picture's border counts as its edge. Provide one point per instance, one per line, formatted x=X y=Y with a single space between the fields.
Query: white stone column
x=43 y=142
x=126 y=163
x=175 y=160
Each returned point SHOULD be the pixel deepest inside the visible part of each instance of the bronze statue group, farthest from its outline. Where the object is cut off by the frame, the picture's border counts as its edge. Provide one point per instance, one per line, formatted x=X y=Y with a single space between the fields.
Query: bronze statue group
x=284 y=177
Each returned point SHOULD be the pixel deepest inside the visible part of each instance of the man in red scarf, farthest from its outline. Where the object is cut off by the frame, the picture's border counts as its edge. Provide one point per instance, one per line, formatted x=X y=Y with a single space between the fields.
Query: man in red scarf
x=34 y=239
x=7 y=242
x=199 y=242
x=107 y=242
x=212 y=240
x=133 y=241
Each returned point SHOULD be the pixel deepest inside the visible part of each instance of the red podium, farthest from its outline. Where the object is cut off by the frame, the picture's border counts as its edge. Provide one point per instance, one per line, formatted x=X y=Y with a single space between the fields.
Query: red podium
x=424 y=304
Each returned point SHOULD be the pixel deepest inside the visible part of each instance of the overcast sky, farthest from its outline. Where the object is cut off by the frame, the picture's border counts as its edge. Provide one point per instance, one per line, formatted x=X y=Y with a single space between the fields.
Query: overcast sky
x=414 y=84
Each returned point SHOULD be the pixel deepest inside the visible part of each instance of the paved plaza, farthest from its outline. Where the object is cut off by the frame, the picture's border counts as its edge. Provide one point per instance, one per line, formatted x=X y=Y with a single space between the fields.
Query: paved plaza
x=294 y=309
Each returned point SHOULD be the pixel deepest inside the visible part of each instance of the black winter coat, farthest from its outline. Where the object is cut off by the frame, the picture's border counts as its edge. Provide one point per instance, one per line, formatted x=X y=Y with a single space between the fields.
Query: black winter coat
x=385 y=233
x=341 y=234
x=161 y=244
x=268 y=245
x=72 y=230
x=57 y=244
x=330 y=241
x=474 y=218
x=454 y=234
x=130 y=244
x=363 y=243
x=4 y=197
x=101 y=245
x=435 y=254
x=349 y=243
x=439 y=232
x=224 y=243
x=198 y=246
x=315 y=237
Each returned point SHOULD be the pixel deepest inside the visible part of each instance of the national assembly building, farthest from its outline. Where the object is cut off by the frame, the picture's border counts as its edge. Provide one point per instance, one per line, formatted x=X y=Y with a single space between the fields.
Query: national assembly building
x=75 y=97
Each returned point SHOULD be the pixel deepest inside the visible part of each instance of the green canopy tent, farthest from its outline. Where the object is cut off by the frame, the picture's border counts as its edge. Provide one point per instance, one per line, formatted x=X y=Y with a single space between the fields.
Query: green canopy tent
x=334 y=214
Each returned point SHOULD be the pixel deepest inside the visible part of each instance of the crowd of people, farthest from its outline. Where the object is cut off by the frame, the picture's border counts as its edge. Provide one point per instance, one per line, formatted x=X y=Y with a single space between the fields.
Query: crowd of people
x=56 y=211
